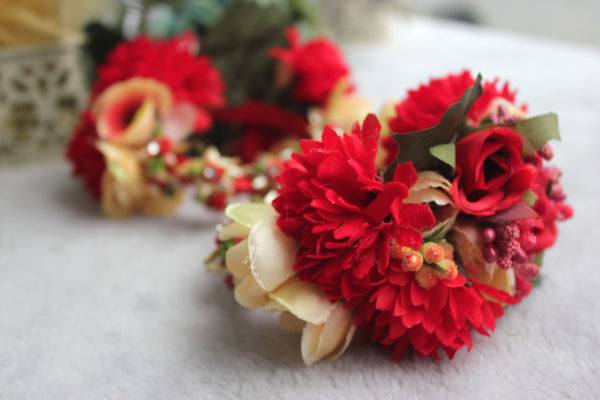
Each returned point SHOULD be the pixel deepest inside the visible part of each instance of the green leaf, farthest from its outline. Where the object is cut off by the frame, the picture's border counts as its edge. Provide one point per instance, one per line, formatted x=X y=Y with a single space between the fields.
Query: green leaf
x=415 y=146
x=537 y=281
x=539 y=259
x=463 y=272
x=445 y=152
x=239 y=44
x=307 y=11
x=225 y=246
x=438 y=268
x=529 y=197
x=156 y=164
x=439 y=233
x=539 y=130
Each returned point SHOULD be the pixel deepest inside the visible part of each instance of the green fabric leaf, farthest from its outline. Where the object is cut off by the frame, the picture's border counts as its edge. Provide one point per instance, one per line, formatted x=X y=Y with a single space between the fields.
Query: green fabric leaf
x=539 y=259
x=539 y=130
x=439 y=233
x=529 y=197
x=445 y=152
x=415 y=146
x=156 y=164
x=537 y=281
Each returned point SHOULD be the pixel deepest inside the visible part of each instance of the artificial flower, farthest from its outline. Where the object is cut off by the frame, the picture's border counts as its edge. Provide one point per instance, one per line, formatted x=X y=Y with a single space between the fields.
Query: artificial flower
x=122 y=182
x=425 y=106
x=191 y=78
x=262 y=125
x=490 y=173
x=469 y=244
x=126 y=113
x=402 y=314
x=433 y=189
x=261 y=264
x=343 y=215
x=87 y=161
x=125 y=189
x=317 y=66
x=216 y=177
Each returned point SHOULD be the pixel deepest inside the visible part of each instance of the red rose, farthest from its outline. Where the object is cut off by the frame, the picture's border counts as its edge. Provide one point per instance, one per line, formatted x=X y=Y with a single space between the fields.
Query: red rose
x=425 y=106
x=490 y=173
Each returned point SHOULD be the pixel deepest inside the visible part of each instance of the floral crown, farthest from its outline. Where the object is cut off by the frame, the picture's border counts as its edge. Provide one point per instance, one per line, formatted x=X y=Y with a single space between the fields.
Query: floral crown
x=414 y=228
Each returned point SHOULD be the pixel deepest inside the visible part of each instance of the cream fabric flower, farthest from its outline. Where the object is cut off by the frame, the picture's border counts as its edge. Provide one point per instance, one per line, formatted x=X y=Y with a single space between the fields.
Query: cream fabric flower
x=262 y=267
x=433 y=188
x=124 y=190
x=126 y=112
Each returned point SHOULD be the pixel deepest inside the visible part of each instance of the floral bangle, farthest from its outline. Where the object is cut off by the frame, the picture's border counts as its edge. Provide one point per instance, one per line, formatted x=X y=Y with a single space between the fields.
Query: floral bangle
x=416 y=252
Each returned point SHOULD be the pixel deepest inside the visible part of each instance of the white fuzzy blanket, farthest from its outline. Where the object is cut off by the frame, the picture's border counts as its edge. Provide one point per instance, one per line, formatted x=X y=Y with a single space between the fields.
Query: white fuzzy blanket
x=95 y=309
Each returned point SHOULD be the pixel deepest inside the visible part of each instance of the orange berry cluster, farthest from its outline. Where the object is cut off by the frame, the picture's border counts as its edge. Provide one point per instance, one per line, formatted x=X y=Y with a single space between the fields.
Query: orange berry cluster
x=432 y=262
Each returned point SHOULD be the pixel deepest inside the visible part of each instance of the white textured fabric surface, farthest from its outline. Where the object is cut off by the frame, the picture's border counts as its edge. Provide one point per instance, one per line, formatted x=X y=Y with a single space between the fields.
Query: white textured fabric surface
x=96 y=309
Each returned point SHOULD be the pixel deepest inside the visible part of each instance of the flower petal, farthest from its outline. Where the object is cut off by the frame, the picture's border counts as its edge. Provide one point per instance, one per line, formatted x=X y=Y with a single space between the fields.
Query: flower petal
x=272 y=254
x=237 y=260
x=304 y=300
x=233 y=231
x=249 y=294
x=329 y=339
x=249 y=214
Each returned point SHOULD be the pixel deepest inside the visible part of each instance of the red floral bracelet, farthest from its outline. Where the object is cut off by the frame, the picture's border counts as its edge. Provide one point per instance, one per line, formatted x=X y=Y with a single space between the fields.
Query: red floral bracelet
x=417 y=252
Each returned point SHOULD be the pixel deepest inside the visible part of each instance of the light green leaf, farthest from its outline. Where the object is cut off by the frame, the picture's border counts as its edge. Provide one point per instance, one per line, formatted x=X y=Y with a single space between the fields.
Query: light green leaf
x=539 y=259
x=415 y=146
x=539 y=130
x=445 y=152
x=529 y=197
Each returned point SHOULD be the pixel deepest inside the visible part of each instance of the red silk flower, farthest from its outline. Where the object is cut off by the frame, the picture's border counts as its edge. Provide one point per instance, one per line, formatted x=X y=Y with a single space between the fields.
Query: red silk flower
x=424 y=107
x=490 y=173
x=88 y=162
x=191 y=78
x=263 y=124
x=317 y=66
x=402 y=314
x=344 y=216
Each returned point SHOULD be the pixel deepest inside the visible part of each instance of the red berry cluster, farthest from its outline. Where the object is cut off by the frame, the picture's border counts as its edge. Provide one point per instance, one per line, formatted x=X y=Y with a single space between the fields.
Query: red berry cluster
x=508 y=244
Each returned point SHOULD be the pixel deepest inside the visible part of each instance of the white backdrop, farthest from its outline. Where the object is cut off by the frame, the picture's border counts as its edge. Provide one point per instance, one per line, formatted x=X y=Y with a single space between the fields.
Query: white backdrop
x=562 y=19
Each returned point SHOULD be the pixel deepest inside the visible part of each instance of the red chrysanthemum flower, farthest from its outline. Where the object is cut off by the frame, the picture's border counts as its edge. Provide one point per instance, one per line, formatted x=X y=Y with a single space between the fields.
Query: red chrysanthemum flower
x=317 y=66
x=88 y=163
x=344 y=216
x=402 y=314
x=263 y=124
x=425 y=106
x=191 y=78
